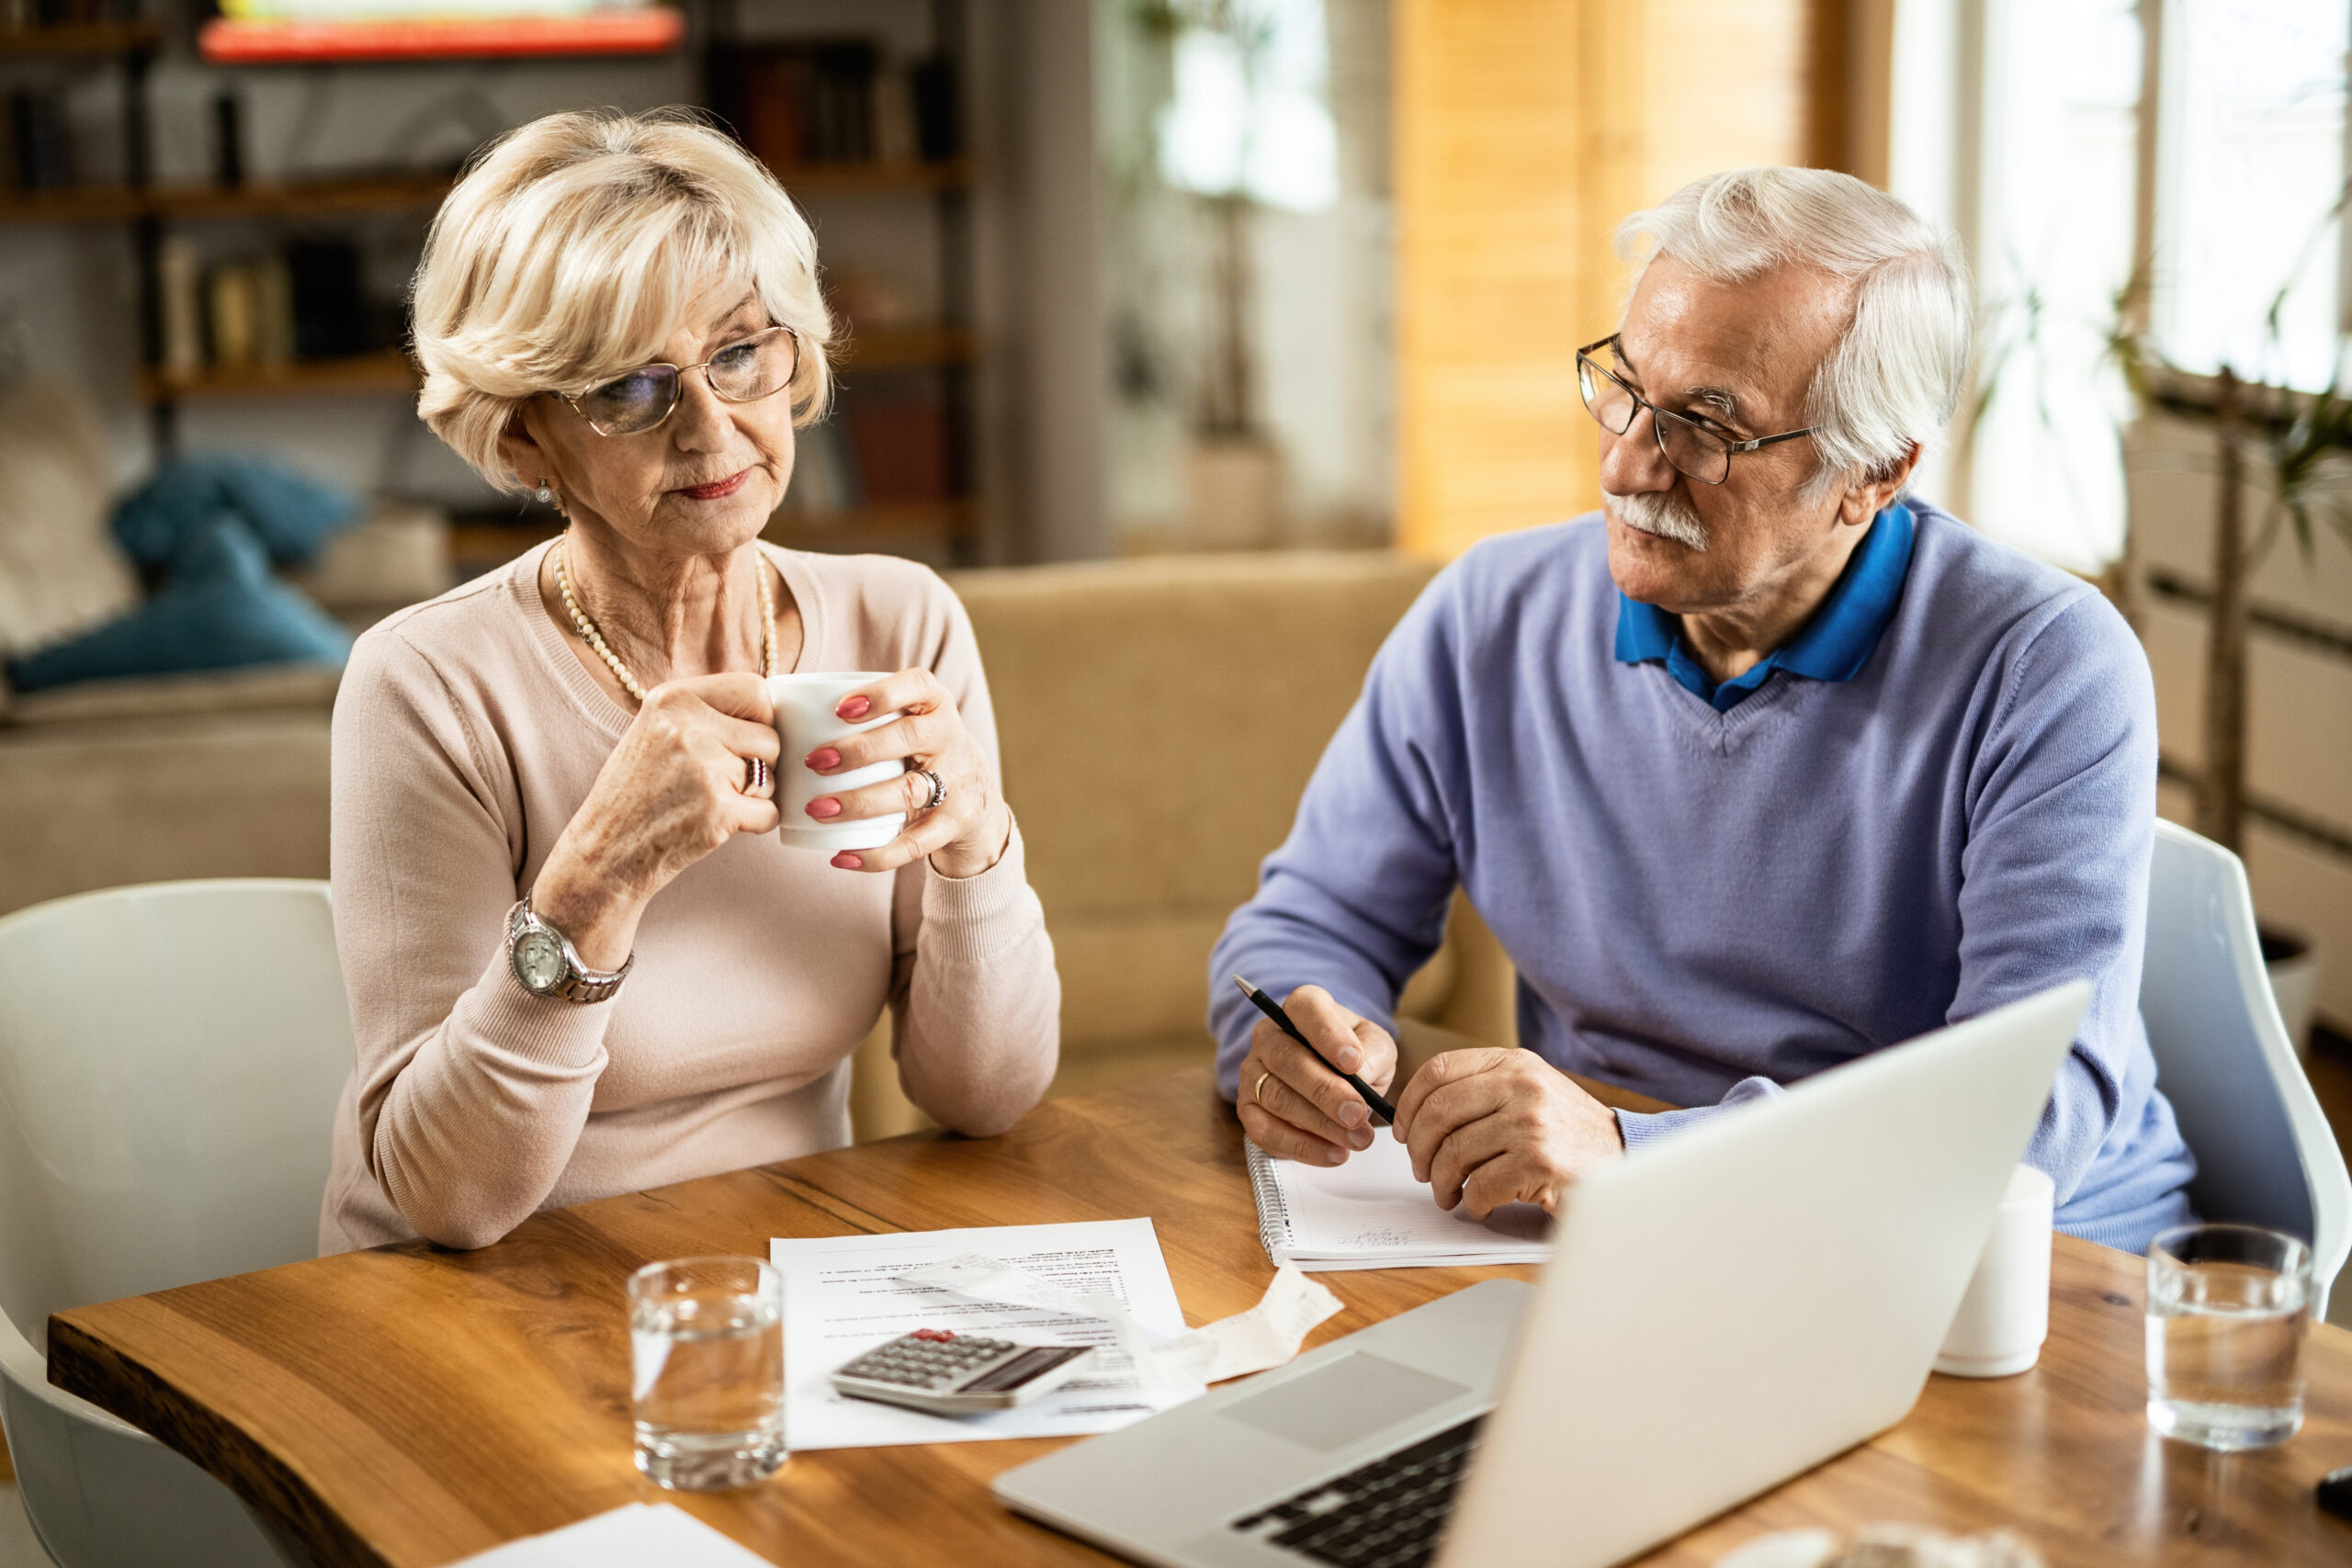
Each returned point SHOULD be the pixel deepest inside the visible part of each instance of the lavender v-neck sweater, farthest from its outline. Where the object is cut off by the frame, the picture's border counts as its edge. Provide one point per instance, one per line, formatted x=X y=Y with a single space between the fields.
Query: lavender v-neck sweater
x=1706 y=904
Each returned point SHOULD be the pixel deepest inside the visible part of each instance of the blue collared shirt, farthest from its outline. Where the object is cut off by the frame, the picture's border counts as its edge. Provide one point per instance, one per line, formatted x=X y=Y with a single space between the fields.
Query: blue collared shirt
x=1834 y=645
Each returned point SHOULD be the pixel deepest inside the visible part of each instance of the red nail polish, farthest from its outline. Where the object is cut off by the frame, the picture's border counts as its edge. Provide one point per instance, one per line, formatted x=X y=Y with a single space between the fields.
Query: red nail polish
x=822 y=758
x=848 y=862
x=852 y=707
x=824 y=807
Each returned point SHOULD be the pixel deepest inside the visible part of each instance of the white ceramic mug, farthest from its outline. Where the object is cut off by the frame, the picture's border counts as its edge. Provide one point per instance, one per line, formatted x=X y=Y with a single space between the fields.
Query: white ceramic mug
x=805 y=720
x=2005 y=1316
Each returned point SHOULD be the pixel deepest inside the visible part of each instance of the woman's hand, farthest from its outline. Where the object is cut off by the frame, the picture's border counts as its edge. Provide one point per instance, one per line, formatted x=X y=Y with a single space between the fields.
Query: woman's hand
x=674 y=790
x=1293 y=1104
x=967 y=833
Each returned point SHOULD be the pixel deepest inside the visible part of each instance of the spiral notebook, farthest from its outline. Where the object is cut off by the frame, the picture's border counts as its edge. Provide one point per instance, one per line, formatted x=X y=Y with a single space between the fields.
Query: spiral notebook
x=1371 y=1213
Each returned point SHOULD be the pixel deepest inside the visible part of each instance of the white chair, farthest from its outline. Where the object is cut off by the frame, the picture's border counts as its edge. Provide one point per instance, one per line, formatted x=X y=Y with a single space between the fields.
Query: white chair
x=2266 y=1154
x=170 y=1060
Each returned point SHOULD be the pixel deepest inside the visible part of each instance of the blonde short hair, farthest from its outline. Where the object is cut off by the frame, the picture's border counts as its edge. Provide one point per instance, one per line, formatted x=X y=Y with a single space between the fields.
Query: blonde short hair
x=570 y=252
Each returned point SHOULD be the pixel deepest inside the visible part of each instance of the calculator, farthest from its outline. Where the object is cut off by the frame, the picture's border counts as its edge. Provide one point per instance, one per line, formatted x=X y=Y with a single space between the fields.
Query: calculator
x=948 y=1373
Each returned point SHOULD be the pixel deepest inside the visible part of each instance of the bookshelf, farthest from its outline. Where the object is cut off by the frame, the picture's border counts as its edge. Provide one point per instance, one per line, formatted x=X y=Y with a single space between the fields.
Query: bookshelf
x=79 y=41
x=876 y=177
x=906 y=349
x=305 y=198
x=906 y=403
x=389 y=371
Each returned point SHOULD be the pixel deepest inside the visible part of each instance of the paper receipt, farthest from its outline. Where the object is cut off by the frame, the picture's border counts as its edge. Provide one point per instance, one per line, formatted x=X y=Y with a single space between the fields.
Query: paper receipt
x=1268 y=1334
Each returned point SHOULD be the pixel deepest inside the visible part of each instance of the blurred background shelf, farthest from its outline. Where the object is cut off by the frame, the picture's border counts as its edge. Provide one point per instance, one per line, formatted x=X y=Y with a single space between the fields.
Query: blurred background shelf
x=93 y=203
x=877 y=177
x=389 y=371
x=899 y=348
x=84 y=41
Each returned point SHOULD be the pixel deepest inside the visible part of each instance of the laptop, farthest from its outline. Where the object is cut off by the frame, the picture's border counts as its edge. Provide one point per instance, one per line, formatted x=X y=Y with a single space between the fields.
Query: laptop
x=1734 y=1307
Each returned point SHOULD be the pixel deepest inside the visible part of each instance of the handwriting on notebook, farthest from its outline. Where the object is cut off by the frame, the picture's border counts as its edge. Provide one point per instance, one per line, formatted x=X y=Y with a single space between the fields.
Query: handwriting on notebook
x=1371 y=1213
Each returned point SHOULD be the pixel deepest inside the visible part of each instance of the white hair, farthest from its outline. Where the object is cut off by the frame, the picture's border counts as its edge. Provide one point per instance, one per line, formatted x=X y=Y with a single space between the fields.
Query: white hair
x=1894 y=375
x=573 y=249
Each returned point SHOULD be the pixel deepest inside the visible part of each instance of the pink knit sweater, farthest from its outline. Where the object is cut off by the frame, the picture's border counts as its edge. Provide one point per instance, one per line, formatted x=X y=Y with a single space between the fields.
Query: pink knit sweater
x=465 y=735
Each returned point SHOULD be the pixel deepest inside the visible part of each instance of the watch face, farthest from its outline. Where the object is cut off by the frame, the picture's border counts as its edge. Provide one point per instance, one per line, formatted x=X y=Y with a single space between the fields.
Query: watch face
x=539 y=960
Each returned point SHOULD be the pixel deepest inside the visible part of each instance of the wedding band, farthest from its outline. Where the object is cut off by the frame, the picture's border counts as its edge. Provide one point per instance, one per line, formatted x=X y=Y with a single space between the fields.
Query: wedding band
x=1256 y=1098
x=938 y=789
x=755 y=775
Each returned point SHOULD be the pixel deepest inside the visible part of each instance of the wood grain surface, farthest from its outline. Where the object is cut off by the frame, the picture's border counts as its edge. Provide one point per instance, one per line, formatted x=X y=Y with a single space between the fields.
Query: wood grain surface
x=411 y=1405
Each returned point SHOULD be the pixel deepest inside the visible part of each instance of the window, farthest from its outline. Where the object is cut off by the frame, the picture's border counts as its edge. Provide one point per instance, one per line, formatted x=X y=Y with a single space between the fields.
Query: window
x=2250 y=165
x=2018 y=123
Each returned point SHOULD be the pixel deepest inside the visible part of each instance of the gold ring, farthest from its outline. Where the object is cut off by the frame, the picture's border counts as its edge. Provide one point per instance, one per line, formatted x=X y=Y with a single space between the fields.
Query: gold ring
x=1255 y=1097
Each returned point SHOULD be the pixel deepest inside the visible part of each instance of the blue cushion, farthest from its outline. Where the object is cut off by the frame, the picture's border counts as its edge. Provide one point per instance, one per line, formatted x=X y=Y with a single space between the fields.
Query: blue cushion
x=219 y=609
x=290 y=514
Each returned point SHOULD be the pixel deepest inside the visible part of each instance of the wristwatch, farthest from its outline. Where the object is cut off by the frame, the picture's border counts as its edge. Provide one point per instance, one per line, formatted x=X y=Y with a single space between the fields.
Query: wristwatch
x=547 y=964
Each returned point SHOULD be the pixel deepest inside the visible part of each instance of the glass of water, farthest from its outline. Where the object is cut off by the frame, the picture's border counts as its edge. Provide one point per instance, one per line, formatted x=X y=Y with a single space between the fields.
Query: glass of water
x=2227 y=1306
x=706 y=1353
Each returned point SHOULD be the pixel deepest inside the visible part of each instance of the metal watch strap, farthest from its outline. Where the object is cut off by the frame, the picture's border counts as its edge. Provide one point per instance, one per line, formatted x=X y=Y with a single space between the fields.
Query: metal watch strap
x=580 y=983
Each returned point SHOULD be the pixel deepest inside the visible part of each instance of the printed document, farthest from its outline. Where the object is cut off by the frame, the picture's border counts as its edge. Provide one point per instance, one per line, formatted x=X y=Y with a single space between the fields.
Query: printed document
x=842 y=1296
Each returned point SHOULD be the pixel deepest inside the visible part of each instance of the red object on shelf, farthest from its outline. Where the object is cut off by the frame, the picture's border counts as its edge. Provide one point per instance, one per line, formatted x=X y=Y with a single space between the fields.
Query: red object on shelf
x=901 y=450
x=653 y=30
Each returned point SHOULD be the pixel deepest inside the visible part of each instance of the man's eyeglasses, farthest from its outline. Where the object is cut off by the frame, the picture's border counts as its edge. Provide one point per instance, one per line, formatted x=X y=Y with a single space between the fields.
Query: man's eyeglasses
x=759 y=366
x=1695 y=451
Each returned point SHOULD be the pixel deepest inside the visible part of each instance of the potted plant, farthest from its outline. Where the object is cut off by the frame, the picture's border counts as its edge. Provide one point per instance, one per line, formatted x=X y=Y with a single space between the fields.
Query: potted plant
x=2303 y=443
x=2298 y=448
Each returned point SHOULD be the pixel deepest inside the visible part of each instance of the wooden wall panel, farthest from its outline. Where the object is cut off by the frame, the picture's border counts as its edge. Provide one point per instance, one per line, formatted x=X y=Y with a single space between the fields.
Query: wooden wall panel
x=1525 y=130
x=1492 y=131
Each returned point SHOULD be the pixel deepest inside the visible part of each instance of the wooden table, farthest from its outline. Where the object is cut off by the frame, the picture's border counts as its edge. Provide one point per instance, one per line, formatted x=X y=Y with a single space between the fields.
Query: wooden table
x=408 y=1406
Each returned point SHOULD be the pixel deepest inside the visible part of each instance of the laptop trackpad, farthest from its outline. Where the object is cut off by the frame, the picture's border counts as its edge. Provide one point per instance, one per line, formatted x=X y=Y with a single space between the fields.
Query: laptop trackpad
x=1342 y=1401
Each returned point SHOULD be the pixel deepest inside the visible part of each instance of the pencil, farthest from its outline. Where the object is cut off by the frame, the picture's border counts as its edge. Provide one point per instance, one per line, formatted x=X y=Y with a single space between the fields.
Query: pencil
x=1272 y=1009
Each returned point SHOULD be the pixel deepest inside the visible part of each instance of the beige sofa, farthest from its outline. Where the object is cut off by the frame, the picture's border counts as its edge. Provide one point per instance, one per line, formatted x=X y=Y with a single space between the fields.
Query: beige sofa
x=1158 y=720
x=218 y=774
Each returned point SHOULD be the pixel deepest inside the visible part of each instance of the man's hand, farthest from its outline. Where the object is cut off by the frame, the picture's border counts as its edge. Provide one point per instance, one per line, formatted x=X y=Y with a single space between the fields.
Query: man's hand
x=1292 y=1105
x=1490 y=1127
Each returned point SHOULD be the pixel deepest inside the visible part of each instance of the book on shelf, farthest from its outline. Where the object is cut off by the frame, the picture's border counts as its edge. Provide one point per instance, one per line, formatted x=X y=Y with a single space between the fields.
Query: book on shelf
x=825 y=480
x=22 y=16
x=40 y=144
x=252 y=312
x=901 y=448
x=330 y=308
x=302 y=301
x=937 y=107
x=873 y=453
x=179 y=287
x=835 y=101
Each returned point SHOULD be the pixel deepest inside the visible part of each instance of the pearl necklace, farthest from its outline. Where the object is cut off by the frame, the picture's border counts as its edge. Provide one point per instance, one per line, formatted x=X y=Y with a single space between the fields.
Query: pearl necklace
x=594 y=637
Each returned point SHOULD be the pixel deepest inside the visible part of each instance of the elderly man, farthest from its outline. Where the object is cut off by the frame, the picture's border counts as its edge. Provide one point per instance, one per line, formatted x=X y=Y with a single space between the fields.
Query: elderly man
x=1767 y=765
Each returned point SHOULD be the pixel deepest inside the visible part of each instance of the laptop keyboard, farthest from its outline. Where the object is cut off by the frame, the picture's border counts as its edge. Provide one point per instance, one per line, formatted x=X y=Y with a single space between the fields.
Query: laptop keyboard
x=1381 y=1515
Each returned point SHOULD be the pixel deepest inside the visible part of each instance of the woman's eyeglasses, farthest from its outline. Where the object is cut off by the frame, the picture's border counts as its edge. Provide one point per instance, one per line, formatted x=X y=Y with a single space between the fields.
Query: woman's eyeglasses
x=759 y=366
x=1695 y=451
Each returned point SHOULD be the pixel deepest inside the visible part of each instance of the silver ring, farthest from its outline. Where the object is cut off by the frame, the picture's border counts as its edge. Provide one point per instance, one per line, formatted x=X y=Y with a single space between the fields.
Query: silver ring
x=938 y=789
x=755 y=775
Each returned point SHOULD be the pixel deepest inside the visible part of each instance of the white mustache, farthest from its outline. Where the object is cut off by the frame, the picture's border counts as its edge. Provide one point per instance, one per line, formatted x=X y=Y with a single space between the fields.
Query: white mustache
x=1662 y=513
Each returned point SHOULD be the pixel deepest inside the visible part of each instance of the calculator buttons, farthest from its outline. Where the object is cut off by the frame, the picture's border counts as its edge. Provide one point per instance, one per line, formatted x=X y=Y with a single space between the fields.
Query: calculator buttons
x=939 y=1370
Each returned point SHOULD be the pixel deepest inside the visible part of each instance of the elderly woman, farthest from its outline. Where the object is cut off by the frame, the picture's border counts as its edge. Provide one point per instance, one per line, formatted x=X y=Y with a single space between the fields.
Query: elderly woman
x=580 y=959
